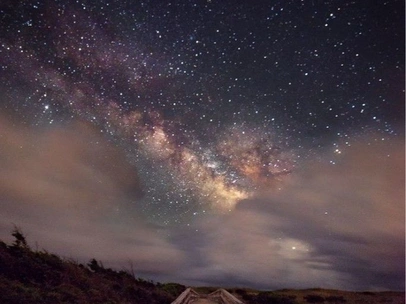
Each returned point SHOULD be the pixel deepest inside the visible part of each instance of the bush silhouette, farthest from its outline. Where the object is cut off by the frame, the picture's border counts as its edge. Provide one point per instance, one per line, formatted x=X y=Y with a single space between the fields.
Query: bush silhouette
x=41 y=277
x=335 y=299
x=20 y=240
x=312 y=298
x=270 y=297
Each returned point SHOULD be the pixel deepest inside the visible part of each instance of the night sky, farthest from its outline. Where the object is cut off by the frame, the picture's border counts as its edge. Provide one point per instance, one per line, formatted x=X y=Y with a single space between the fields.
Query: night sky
x=235 y=143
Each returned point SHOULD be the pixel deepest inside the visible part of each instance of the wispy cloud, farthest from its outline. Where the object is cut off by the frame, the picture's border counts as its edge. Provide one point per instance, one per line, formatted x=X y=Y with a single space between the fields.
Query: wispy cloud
x=333 y=226
x=75 y=194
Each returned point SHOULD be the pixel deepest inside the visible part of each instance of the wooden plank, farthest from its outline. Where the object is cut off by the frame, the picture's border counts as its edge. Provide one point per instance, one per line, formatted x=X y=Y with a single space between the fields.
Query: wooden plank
x=221 y=296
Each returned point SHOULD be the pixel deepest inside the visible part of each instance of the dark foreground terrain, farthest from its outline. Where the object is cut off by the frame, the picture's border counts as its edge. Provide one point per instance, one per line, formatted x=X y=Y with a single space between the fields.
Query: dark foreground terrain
x=305 y=296
x=32 y=276
x=28 y=276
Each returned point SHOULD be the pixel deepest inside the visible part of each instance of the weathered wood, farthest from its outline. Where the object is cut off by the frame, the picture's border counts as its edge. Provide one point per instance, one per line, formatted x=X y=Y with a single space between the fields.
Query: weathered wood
x=224 y=297
x=204 y=301
x=220 y=296
x=186 y=297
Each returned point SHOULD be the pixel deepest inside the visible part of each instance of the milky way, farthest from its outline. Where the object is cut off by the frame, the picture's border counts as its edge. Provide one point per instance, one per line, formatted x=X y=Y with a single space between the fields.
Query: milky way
x=212 y=101
x=225 y=143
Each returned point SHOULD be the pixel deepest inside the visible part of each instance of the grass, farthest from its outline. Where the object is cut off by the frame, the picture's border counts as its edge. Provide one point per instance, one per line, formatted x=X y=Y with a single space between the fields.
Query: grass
x=28 y=276
x=316 y=295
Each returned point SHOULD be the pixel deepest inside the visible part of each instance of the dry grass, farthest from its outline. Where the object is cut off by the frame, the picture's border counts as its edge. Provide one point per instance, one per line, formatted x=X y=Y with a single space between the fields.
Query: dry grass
x=327 y=296
x=348 y=296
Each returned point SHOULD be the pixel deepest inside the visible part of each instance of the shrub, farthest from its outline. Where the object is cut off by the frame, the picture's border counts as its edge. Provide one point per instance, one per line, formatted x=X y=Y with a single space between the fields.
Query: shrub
x=20 y=240
x=336 y=299
x=312 y=298
x=269 y=297
x=240 y=291
x=368 y=293
x=173 y=289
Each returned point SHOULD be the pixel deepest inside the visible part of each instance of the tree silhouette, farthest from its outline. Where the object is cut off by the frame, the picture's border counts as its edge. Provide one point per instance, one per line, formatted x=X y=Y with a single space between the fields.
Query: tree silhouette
x=95 y=266
x=19 y=236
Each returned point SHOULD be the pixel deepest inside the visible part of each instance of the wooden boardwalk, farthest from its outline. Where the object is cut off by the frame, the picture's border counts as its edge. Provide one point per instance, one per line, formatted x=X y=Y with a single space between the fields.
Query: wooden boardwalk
x=220 y=296
x=204 y=301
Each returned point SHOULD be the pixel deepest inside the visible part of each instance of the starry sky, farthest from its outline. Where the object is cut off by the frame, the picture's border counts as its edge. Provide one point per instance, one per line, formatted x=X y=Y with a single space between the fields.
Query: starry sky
x=234 y=143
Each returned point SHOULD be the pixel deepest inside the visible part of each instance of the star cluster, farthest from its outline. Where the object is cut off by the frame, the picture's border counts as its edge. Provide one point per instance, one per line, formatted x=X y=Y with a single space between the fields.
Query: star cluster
x=211 y=100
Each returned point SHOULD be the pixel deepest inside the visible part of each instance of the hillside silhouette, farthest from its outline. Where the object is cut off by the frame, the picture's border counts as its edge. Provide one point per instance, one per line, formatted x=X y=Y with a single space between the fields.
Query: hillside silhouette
x=32 y=276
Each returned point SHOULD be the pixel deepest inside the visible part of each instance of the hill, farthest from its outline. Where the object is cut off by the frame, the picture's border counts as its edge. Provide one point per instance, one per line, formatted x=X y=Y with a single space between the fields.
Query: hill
x=28 y=276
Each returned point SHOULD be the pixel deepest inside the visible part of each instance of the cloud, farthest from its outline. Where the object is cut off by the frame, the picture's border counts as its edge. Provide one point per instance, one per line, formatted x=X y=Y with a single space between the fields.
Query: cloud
x=336 y=226
x=74 y=193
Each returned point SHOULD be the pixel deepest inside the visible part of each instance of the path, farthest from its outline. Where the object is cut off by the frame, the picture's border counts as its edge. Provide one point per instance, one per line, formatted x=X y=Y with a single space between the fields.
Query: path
x=220 y=296
x=204 y=301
